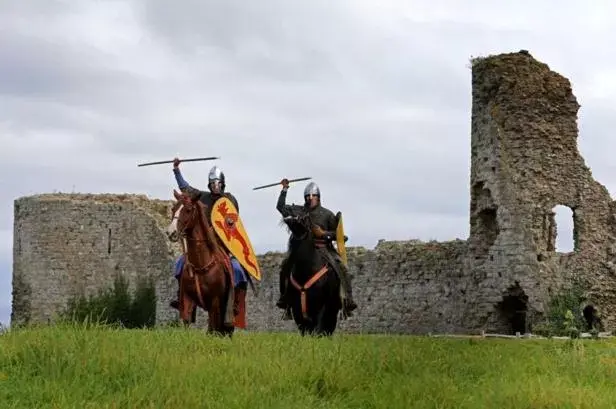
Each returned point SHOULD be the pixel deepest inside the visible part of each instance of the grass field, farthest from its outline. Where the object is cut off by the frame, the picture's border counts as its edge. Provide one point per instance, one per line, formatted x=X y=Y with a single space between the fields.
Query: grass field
x=69 y=367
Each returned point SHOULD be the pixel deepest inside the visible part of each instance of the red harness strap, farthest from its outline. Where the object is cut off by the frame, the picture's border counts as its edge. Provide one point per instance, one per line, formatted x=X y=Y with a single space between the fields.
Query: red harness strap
x=308 y=284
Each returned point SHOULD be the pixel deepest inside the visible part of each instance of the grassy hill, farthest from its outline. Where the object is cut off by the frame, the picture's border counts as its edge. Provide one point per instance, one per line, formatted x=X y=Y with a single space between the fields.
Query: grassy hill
x=103 y=367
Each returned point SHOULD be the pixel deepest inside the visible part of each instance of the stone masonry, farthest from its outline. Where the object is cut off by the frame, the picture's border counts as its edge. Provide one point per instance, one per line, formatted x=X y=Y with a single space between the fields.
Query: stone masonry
x=69 y=244
x=524 y=162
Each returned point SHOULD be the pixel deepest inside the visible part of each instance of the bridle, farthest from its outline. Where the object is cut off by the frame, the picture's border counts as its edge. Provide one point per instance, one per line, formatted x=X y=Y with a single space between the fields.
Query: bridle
x=304 y=221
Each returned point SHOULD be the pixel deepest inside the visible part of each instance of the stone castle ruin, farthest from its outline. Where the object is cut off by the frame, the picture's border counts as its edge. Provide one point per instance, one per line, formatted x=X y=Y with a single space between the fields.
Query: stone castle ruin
x=525 y=162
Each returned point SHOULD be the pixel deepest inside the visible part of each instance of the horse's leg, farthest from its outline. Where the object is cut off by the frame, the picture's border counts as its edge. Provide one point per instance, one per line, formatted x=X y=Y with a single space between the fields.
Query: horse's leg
x=299 y=320
x=296 y=309
x=332 y=307
x=228 y=330
x=315 y=310
x=220 y=327
x=193 y=315
x=231 y=297
x=221 y=303
x=325 y=302
x=319 y=321
x=187 y=308
x=329 y=320
x=304 y=325
x=215 y=319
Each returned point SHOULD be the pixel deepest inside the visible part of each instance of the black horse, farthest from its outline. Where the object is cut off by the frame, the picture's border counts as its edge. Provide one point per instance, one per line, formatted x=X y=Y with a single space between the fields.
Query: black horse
x=313 y=291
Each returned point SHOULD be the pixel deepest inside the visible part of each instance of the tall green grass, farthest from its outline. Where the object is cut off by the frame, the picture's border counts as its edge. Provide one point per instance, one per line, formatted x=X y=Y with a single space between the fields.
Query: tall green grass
x=71 y=366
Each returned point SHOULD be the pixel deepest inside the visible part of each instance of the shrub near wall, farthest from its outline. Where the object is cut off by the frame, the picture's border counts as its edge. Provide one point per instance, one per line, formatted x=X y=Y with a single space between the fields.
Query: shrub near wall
x=564 y=314
x=116 y=306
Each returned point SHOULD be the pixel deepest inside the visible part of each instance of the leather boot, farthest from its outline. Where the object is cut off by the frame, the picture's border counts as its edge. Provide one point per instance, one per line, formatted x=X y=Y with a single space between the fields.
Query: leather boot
x=236 y=301
x=239 y=293
x=239 y=307
x=349 y=304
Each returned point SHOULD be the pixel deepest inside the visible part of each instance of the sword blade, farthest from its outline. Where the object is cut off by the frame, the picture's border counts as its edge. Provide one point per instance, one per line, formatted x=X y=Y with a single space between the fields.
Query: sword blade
x=278 y=183
x=181 y=160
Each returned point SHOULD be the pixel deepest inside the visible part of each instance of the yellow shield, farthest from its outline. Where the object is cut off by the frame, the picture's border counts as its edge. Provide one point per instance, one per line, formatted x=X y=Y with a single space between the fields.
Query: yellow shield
x=340 y=245
x=230 y=230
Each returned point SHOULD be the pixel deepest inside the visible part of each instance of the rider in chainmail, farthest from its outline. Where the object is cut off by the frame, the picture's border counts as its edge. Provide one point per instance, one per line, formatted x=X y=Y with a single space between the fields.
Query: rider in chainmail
x=216 y=186
x=327 y=221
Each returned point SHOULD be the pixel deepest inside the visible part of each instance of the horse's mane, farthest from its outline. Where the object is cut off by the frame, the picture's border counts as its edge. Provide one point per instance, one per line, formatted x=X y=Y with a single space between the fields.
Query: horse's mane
x=209 y=234
x=284 y=225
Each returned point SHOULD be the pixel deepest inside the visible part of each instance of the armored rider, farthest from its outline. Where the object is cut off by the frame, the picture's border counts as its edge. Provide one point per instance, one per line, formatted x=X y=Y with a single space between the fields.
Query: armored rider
x=327 y=221
x=216 y=186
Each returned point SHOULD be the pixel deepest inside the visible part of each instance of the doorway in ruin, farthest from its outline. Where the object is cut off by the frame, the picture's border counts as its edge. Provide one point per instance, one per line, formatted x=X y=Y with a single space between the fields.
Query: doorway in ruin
x=513 y=310
x=564 y=230
x=591 y=318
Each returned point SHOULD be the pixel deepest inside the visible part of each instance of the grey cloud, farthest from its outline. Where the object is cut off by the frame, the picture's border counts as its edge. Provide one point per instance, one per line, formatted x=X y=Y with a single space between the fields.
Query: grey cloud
x=37 y=8
x=306 y=105
x=37 y=68
x=234 y=26
x=332 y=49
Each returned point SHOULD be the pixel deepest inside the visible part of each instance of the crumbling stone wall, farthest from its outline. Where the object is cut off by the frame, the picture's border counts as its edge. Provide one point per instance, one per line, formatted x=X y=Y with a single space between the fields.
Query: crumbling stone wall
x=401 y=287
x=69 y=244
x=61 y=248
x=525 y=161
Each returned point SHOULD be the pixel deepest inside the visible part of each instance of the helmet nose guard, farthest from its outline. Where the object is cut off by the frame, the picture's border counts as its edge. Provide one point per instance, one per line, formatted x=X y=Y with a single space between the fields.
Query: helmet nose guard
x=216 y=174
x=312 y=189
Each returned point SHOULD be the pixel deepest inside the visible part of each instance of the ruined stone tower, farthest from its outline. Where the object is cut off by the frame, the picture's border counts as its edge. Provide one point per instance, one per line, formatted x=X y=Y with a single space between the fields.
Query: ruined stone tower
x=525 y=161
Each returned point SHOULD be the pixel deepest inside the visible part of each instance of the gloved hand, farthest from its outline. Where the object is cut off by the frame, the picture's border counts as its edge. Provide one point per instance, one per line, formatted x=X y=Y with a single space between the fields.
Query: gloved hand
x=323 y=234
x=317 y=231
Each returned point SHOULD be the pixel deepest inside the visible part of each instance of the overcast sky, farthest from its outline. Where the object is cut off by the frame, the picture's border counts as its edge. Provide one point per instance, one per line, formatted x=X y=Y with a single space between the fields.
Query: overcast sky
x=371 y=99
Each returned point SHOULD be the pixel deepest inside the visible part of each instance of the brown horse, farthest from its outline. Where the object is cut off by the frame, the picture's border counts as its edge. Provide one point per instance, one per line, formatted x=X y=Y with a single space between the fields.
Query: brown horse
x=207 y=279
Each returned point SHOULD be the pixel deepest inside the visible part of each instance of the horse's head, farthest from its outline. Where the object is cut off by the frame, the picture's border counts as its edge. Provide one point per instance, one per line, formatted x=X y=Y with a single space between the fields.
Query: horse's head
x=302 y=228
x=172 y=229
x=186 y=214
x=297 y=225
